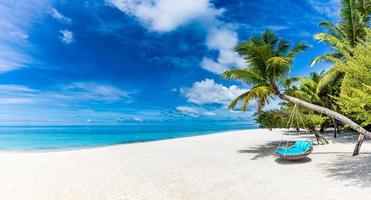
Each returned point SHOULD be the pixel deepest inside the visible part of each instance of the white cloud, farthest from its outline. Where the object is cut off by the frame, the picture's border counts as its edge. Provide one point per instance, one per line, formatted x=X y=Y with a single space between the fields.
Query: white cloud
x=71 y=93
x=95 y=91
x=188 y=111
x=67 y=36
x=16 y=101
x=212 y=66
x=58 y=16
x=277 y=28
x=11 y=60
x=330 y=8
x=17 y=94
x=208 y=113
x=138 y=119
x=16 y=17
x=15 y=88
x=222 y=40
x=166 y=15
x=194 y=112
x=209 y=92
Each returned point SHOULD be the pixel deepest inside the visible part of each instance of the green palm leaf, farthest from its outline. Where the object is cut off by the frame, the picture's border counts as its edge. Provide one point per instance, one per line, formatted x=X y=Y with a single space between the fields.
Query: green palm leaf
x=298 y=48
x=246 y=75
x=331 y=57
x=335 y=43
x=332 y=75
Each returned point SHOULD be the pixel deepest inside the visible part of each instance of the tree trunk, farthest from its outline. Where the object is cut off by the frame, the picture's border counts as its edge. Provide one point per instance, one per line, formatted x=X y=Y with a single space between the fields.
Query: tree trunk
x=358 y=144
x=333 y=114
x=322 y=129
x=320 y=139
x=335 y=126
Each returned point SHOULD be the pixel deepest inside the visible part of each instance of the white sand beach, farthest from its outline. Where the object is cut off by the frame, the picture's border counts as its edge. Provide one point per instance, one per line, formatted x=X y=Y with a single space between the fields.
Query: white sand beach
x=231 y=165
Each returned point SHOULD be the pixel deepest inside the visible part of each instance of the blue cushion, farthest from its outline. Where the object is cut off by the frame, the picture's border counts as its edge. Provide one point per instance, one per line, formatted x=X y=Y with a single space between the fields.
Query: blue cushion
x=300 y=147
x=303 y=145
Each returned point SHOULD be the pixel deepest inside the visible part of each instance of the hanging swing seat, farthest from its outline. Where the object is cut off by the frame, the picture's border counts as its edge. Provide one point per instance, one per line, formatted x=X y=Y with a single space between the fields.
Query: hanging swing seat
x=299 y=150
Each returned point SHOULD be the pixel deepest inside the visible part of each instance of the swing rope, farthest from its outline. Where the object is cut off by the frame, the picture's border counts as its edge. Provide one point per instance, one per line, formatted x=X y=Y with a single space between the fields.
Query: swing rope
x=295 y=114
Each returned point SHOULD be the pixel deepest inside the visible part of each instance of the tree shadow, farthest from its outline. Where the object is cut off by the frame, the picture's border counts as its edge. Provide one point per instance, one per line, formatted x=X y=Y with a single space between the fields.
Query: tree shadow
x=282 y=161
x=344 y=137
x=264 y=150
x=356 y=169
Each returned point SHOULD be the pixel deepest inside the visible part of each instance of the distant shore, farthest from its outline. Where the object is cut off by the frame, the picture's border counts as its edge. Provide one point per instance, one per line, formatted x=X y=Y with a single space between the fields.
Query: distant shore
x=230 y=165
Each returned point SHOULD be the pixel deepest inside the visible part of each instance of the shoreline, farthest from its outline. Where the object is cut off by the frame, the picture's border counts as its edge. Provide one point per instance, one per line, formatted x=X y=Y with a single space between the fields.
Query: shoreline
x=47 y=150
x=231 y=165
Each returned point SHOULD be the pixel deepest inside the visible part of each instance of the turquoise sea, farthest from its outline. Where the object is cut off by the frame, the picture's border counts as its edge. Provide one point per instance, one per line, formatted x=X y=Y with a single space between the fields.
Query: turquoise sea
x=26 y=138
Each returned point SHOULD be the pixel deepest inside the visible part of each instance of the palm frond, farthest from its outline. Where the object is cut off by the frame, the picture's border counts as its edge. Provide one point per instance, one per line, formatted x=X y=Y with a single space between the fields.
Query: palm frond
x=278 y=60
x=335 y=43
x=248 y=76
x=282 y=48
x=331 y=57
x=259 y=92
x=298 y=48
x=334 y=30
x=269 y=38
x=234 y=102
x=288 y=82
x=329 y=77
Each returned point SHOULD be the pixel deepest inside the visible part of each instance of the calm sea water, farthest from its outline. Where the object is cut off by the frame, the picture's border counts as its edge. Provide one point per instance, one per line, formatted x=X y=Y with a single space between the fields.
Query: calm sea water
x=20 y=138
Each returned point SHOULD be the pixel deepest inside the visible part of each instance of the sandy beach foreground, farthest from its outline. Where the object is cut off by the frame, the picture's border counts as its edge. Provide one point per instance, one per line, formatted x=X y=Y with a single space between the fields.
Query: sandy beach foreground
x=231 y=165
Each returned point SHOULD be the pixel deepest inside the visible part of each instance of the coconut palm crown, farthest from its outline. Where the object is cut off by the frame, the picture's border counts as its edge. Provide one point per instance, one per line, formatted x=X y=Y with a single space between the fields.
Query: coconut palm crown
x=270 y=59
x=354 y=19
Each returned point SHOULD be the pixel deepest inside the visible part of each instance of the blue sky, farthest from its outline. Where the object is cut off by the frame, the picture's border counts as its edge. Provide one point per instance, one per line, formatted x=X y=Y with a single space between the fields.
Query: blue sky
x=113 y=61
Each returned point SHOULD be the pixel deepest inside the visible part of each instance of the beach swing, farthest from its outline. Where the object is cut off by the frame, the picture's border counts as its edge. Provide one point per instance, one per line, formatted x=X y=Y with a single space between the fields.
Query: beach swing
x=300 y=148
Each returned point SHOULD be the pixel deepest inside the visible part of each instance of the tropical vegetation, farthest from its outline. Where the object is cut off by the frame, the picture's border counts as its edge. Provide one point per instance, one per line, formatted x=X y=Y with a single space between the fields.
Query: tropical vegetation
x=341 y=94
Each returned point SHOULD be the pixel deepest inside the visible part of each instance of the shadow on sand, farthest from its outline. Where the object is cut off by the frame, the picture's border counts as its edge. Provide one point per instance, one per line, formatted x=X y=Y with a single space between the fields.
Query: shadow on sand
x=269 y=149
x=262 y=151
x=340 y=165
x=355 y=170
x=282 y=161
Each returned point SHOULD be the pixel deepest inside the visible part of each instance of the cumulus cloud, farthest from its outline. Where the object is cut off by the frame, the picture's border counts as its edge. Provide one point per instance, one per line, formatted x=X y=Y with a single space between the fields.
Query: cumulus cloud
x=67 y=36
x=167 y=15
x=209 y=92
x=222 y=40
x=58 y=16
x=212 y=66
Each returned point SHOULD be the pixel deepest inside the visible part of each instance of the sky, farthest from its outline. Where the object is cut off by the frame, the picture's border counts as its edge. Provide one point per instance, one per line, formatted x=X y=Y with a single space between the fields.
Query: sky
x=117 y=61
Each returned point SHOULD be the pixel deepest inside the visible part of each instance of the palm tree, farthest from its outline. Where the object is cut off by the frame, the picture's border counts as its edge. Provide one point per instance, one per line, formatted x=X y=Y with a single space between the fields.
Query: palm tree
x=343 y=37
x=348 y=32
x=270 y=60
x=308 y=91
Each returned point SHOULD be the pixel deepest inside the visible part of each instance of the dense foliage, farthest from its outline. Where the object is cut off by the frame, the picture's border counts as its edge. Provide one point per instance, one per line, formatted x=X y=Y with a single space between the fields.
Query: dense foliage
x=279 y=118
x=355 y=95
x=346 y=86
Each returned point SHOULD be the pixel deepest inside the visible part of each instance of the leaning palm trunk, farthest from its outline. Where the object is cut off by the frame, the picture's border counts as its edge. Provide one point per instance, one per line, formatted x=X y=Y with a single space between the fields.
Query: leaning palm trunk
x=363 y=132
